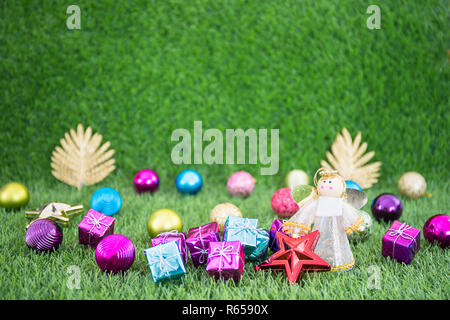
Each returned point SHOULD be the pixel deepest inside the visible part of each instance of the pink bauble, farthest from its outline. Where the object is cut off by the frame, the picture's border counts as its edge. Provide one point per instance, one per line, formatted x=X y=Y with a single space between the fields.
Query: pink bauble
x=437 y=229
x=114 y=253
x=146 y=181
x=241 y=184
x=283 y=204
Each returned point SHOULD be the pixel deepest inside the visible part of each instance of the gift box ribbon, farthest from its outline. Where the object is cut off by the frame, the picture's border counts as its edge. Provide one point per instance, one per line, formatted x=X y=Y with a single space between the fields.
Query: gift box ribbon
x=245 y=227
x=203 y=251
x=224 y=253
x=96 y=223
x=400 y=232
x=164 y=265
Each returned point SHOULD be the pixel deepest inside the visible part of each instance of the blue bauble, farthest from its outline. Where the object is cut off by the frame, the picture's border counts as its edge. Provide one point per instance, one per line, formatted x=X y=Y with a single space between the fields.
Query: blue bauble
x=107 y=201
x=352 y=185
x=189 y=182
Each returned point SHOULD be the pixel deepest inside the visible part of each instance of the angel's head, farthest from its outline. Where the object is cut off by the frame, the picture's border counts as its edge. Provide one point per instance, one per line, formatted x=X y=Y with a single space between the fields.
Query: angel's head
x=330 y=184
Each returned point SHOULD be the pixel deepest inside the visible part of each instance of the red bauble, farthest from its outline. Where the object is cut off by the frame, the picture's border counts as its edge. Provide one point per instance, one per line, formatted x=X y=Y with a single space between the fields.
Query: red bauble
x=295 y=256
x=283 y=204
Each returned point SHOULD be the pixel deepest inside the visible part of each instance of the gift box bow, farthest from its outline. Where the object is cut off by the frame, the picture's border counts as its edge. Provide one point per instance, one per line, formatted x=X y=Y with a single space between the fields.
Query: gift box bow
x=203 y=249
x=246 y=227
x=158 y=256
x=401 y=232
x=224 y=252
x=96 y=222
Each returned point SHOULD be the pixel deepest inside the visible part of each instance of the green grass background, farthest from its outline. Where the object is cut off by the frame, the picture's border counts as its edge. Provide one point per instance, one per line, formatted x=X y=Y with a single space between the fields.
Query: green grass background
x=138 y=70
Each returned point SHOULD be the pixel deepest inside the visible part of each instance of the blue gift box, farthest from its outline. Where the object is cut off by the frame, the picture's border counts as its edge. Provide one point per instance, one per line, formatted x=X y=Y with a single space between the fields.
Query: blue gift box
x=262 y=244
x=243 y=230
x=165 y=261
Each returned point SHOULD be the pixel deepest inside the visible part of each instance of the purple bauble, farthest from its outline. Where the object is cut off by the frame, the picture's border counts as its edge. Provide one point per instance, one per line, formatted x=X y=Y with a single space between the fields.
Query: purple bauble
x=146 y=181
x=437 y=228
x=387 y=207
x=114 y=253
x=43 y=235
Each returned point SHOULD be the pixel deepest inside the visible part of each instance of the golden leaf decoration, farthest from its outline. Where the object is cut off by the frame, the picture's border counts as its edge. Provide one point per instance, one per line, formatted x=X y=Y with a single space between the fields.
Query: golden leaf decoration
x=81 y=160
x=349 y=159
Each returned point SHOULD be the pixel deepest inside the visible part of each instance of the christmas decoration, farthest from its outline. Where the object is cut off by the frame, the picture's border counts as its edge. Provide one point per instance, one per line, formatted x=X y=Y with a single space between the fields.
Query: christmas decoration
x=277 y=226
x=387 y=207
x=349 y=160
x=44 y=235
x=146 y=180
x=225 y=260
x=242 y=229
x=437 y=229
x=221 y=212
x=295 y=178
x=14 y=195
x=80 y=160
x=241 y=184
x=59 y=212
x=401 y=242
x=283 y=204
x=115 y=253
x=163 y=220
x=174 y=235
x=364 y=230
x=333 y=210
x=198 y=239
x=165 y=262
x=349 y=184
x=189 y=182
x=94 y=227
x=262 y=244
x=301 y=192
x=412 y=185
x=295 y=256
x=107 y=201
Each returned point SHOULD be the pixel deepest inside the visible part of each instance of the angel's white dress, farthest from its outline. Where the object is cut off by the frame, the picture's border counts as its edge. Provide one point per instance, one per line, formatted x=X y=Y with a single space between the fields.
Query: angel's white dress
x=334 y=219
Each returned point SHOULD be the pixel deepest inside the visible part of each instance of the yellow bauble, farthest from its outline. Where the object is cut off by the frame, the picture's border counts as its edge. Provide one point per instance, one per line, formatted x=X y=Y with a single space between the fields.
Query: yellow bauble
x=412 y=185
x=221 y=212
x=14 y=195
x=163 y=220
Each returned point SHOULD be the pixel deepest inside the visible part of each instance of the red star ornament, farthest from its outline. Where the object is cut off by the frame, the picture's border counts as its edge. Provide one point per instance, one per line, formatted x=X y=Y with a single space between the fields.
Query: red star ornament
x=295 y=256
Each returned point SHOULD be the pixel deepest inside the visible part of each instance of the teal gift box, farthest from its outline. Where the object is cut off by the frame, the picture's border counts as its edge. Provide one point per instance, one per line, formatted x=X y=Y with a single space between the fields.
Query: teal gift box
x=243 y=230
x=165 y=261
x=262 y=244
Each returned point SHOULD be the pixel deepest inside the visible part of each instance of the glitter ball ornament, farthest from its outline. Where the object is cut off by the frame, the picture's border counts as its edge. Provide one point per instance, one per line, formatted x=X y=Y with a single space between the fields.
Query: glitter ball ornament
x=241 y=184
x=107 y=201
x=350 y=184
x=163 y=220
x=146 y=181
x=189 y=182
x=44 y=235
x=283 y=204
x=14 y=195
x=437 y=229
x=412 y=185
x=114 y=253
x=221 y=212
x=296 y=177
x=387 y=207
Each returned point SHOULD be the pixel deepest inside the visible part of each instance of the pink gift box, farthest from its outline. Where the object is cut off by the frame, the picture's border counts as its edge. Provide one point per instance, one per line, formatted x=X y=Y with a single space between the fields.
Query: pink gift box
x=174 y=235
x=198 y=239
x=225 y=260
x=401 y=242
x=94 y=227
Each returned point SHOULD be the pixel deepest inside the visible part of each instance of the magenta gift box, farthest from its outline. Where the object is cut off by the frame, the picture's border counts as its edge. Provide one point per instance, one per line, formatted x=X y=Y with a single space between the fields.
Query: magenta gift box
x=94 y=227
x=225 y=260
x=174 y=235
x=198 y=239
x=401 y=242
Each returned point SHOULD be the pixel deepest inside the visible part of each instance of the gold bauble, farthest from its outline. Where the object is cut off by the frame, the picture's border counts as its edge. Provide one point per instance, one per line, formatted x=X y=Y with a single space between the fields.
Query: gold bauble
x=14 y=195
x=412 y=185
x=221 y=212
x=163 y=220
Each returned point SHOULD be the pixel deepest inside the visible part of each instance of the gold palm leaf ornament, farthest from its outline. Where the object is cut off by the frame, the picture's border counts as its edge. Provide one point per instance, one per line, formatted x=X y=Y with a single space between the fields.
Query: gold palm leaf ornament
x=350 y=160
x=80 y=160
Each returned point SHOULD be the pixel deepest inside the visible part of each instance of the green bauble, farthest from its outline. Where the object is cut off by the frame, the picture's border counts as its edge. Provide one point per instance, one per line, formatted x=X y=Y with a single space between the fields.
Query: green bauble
x=14 y=195
x=364 y=230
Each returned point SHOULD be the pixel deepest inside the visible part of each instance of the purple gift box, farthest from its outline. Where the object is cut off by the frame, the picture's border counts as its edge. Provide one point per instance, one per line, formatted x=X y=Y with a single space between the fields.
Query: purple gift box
x=277 y=226
x=401 y=242
x=173 y=235
x=94 y=227
x=198 y=239
x=225 y=260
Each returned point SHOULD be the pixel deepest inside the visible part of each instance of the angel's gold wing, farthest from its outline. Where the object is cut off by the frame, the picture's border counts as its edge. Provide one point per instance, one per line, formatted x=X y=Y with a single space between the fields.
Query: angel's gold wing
x=81 y=160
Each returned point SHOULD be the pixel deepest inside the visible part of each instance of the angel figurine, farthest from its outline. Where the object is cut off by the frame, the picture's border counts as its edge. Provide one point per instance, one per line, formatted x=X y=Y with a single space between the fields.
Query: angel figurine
x=333 y=211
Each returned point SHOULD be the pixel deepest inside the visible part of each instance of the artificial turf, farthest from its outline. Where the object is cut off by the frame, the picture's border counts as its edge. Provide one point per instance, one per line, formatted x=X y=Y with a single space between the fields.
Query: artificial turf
x=138 y=70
